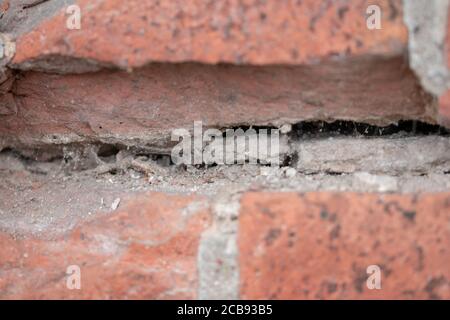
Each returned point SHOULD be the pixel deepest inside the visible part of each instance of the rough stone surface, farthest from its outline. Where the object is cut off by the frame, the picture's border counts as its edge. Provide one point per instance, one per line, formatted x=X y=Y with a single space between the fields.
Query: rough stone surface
x=21 y=16
x=393 y=156
x=318 y=245
x=133 y=33
x=143 y=107
x=146 y=249
x=428 y=27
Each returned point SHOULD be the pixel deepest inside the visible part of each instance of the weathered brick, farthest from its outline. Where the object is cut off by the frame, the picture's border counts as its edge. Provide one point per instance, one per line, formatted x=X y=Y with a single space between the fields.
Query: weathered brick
x=298 y=60
x=132 y=33
x=318 y=245
x=444 y=111
x=147 y=249
x=143 y=107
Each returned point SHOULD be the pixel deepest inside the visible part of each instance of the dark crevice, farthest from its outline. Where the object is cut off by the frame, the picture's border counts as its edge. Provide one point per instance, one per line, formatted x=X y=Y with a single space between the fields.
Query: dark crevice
x=334 y=173
x=107 y=152
x=163 y=160
x=290 y=160
x=246 y=127
x=351 y=128
x=33 y=4
x=27 y=158
x=77 y=154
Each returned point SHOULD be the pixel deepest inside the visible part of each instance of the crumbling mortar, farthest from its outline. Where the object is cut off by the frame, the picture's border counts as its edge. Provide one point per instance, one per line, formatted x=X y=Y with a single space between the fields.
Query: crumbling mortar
x=218 y=265
x=294 y=142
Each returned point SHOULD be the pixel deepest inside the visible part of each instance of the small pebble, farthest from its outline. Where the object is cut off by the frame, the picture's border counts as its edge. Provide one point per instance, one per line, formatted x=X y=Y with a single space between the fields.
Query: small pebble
x=285 y=128
x=290 y=172
x=115 y=204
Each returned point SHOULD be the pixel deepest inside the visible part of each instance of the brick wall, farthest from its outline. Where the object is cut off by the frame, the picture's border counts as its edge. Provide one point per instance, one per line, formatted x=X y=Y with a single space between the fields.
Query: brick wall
x=136 y=70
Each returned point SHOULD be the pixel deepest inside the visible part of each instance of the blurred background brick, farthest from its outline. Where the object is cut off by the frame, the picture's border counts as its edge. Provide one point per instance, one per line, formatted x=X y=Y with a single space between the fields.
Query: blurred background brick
x=147 y=249
x=319 y=245
x=132 y=33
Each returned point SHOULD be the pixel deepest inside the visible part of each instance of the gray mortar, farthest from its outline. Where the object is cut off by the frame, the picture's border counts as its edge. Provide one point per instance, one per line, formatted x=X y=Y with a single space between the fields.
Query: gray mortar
x=22 y=16
x=386 y=156
x=218 y=266
x=61 y=65
x=47 y=198
x=427 y=25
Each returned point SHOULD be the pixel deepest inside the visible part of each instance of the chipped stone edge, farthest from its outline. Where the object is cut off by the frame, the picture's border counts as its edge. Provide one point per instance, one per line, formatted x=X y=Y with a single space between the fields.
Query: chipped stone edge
x=7 y=53
x=427 y=27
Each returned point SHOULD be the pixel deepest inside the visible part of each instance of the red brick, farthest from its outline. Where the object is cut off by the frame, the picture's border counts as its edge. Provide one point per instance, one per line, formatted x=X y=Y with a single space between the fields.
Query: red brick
x=444 y=111
x=318 y=245
x=145 y=250
x=135 y=32
x=143 y=107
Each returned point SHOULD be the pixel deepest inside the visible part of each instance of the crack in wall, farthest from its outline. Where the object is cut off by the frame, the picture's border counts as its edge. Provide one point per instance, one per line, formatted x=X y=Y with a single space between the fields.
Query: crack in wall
x=144 y=106
x=302 y=141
